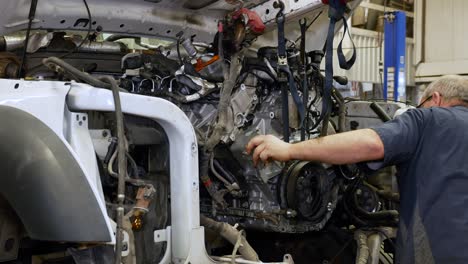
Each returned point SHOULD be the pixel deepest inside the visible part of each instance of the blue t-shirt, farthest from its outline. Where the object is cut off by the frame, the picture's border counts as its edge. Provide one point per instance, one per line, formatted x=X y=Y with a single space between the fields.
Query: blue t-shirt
x=430 y=149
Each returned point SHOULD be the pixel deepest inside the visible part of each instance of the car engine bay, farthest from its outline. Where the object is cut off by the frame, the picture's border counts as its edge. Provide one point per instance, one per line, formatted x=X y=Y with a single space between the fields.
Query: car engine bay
x=230 y=93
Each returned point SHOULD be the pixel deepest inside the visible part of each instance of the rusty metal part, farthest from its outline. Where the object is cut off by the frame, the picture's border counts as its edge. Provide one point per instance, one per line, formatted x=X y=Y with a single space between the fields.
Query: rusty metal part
x=144 y=196
x=9 y=65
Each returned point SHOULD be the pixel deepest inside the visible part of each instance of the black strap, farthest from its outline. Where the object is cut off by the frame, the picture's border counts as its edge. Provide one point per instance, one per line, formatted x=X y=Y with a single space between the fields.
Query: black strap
x=328 y=68
x=346 y=64
x=283 y=66
x=305 y=85
x=281 y=39
x=295 y=95
x=336 y=12
x=32 y=14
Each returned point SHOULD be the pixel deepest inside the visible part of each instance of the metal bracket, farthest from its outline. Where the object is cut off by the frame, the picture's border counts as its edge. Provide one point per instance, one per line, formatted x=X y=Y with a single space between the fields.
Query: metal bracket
x=288 y=259
x=162 y=235
x=282 y=61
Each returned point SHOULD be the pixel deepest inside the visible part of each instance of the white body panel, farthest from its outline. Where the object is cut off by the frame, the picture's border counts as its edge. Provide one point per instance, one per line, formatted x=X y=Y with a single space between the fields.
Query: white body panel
x=185 y=212
x=46 y=101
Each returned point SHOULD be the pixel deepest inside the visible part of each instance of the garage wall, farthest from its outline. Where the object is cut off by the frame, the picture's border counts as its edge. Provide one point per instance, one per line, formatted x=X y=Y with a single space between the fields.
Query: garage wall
x=441 y=38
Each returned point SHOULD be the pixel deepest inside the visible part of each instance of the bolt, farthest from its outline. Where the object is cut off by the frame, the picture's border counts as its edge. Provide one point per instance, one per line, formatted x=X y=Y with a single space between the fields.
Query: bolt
x=194 y=147
x=104 y=133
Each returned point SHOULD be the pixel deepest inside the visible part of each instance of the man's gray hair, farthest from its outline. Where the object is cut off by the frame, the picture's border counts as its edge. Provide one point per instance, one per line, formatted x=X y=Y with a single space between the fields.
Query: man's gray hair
x=450 y=87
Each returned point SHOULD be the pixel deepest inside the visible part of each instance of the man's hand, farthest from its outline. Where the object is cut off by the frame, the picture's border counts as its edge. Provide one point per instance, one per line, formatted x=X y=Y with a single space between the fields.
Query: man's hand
x=268 y=148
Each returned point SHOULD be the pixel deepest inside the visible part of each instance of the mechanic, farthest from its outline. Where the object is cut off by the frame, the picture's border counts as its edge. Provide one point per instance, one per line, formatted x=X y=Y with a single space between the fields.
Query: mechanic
x=429 y=146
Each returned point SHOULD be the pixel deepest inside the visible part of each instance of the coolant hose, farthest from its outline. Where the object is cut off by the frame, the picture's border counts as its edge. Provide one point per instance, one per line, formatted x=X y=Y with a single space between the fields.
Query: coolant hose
x=231 y=234
x=85 y=77
x=223 y=105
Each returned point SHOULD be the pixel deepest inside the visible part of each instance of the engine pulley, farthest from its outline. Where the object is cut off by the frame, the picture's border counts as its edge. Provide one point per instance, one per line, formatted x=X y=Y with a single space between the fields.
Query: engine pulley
x=307 y=188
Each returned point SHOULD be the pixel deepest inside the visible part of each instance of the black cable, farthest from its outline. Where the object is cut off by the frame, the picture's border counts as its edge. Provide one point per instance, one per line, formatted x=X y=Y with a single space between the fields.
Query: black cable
x=32 y=14
x=90 y=21
x=133 y=165
x=341 y=250
x=348 y=100
x=79 y=45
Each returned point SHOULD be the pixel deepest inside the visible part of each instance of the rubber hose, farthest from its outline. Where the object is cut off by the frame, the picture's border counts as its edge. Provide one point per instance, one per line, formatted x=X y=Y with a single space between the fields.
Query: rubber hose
x=223 y=105
x=231 y=234
x=85 y=77
x=122 y=165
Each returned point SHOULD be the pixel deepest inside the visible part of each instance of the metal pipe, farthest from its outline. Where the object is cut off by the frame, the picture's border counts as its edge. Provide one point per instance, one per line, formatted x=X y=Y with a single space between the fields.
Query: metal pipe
x=380 y=112
x=242 y=261
x=9 y=43
x=373 y=242
x=341 y=110
x=362 y=254
x=101 y=47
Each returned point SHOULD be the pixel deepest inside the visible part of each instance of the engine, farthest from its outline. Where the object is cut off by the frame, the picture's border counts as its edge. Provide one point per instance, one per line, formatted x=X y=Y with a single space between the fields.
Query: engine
x=230 y=104
x=230 y=95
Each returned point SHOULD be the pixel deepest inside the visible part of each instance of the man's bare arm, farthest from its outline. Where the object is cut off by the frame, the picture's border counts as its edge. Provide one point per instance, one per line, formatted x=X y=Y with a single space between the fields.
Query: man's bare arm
x=343 y=148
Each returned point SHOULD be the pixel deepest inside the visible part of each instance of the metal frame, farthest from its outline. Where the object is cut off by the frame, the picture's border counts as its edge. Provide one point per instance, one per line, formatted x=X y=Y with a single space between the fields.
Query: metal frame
x=141 y=18
x=395 y=55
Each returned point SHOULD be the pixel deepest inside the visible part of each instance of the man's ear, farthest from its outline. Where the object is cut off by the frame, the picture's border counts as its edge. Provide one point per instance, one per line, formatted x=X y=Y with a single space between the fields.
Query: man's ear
x=436 y=99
